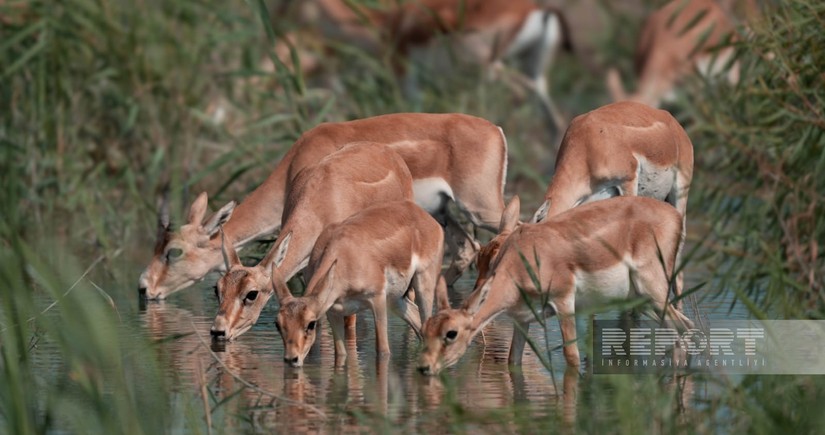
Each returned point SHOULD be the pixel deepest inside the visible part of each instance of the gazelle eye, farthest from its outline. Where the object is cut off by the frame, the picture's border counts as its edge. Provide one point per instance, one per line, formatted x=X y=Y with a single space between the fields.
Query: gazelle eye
x=451 y=335
x=174 y=253
x=311 y=325
x=251 y=296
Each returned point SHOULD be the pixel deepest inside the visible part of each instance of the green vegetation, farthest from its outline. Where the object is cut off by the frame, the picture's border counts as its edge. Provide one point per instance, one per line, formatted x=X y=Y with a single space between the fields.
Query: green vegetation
x=761 y=158
x=103 y=102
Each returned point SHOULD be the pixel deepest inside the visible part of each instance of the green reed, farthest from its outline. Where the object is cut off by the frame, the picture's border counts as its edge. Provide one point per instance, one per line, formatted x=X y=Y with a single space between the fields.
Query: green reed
x=760 y=155
x=105 y=102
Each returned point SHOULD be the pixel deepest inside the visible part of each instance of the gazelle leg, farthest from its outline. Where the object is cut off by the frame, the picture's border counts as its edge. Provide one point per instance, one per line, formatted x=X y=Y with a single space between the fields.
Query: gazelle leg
x=336 y=321
x=517 y=343
x=565 y=309
x=379 y=311
x=630 y=186
x=349 y=326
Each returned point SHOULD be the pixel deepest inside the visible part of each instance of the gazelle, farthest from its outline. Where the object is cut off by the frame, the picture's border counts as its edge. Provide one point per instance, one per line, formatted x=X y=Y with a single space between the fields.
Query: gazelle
x=677 y=39
x=340 y=185
x=370 y=260
x=438 y=32
x=486 y=33
x=603 y=250
x=624 y=149
x=450 y=156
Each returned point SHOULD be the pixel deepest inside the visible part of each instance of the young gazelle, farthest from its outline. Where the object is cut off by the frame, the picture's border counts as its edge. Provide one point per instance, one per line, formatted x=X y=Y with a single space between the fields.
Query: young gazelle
x=369 y=261
x=603 y=250
x=676 y=40
x=452 y=157
x=340 y=185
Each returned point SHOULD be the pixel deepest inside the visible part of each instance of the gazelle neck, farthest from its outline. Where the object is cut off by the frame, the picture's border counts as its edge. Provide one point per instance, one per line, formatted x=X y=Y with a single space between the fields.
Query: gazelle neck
x=259 y=213
x=492 y=306
x=300 y=246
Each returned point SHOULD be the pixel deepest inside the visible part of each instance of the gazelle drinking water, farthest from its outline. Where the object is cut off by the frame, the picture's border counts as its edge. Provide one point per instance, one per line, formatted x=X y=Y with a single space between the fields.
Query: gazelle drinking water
x=340 y=185
x=369 y=261
x=452 y=157
x=604 y=250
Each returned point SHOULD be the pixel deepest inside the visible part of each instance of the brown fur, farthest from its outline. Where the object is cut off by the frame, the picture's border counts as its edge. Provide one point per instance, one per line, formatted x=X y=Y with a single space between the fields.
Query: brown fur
x=668 y=49
x=606 y=144
x=602 y=148
x=470 y=153
x=509 y=222
x=600 y=236
x=359 y=253
x=321 y=195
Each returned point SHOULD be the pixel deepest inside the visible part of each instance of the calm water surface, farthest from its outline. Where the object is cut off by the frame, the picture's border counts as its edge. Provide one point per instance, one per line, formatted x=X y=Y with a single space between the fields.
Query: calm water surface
x=354 y=397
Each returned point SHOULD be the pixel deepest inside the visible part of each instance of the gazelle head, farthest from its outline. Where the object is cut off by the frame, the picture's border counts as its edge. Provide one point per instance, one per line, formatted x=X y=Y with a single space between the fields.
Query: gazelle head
x=242 y=293
x=509 y=222
x=184 y=257
x=447 y=334
x=297 y=318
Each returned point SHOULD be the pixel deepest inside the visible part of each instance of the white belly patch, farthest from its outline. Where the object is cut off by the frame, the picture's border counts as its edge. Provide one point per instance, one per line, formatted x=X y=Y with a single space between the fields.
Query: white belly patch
x=597 y=286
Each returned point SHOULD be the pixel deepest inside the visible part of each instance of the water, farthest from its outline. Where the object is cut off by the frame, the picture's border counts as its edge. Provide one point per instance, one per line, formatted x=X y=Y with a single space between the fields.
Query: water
x=320 y=396
x=291 y=398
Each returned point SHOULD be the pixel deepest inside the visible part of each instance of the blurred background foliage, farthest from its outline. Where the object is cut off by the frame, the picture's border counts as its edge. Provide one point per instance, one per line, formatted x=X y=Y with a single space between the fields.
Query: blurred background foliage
x=104 y=102
x=761 y=160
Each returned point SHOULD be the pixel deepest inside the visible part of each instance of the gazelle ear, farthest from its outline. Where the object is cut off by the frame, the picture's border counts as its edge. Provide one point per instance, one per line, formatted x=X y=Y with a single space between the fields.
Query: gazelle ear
x=230 y=256
x=541 y=213
x=164 y=223
x=218 y=219
x=279 y=286
x=328 y=279
x=281 y=250
x=198 y=209
x=442 y=300
x=477 y=298
x=163 y=211
x=509 y=218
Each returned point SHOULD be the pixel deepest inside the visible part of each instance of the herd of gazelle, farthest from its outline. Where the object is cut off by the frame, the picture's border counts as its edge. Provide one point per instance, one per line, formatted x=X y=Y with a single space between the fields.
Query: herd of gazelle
x=363 y=224
x=681 y=37
x=442 y=34
x=361 y=205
